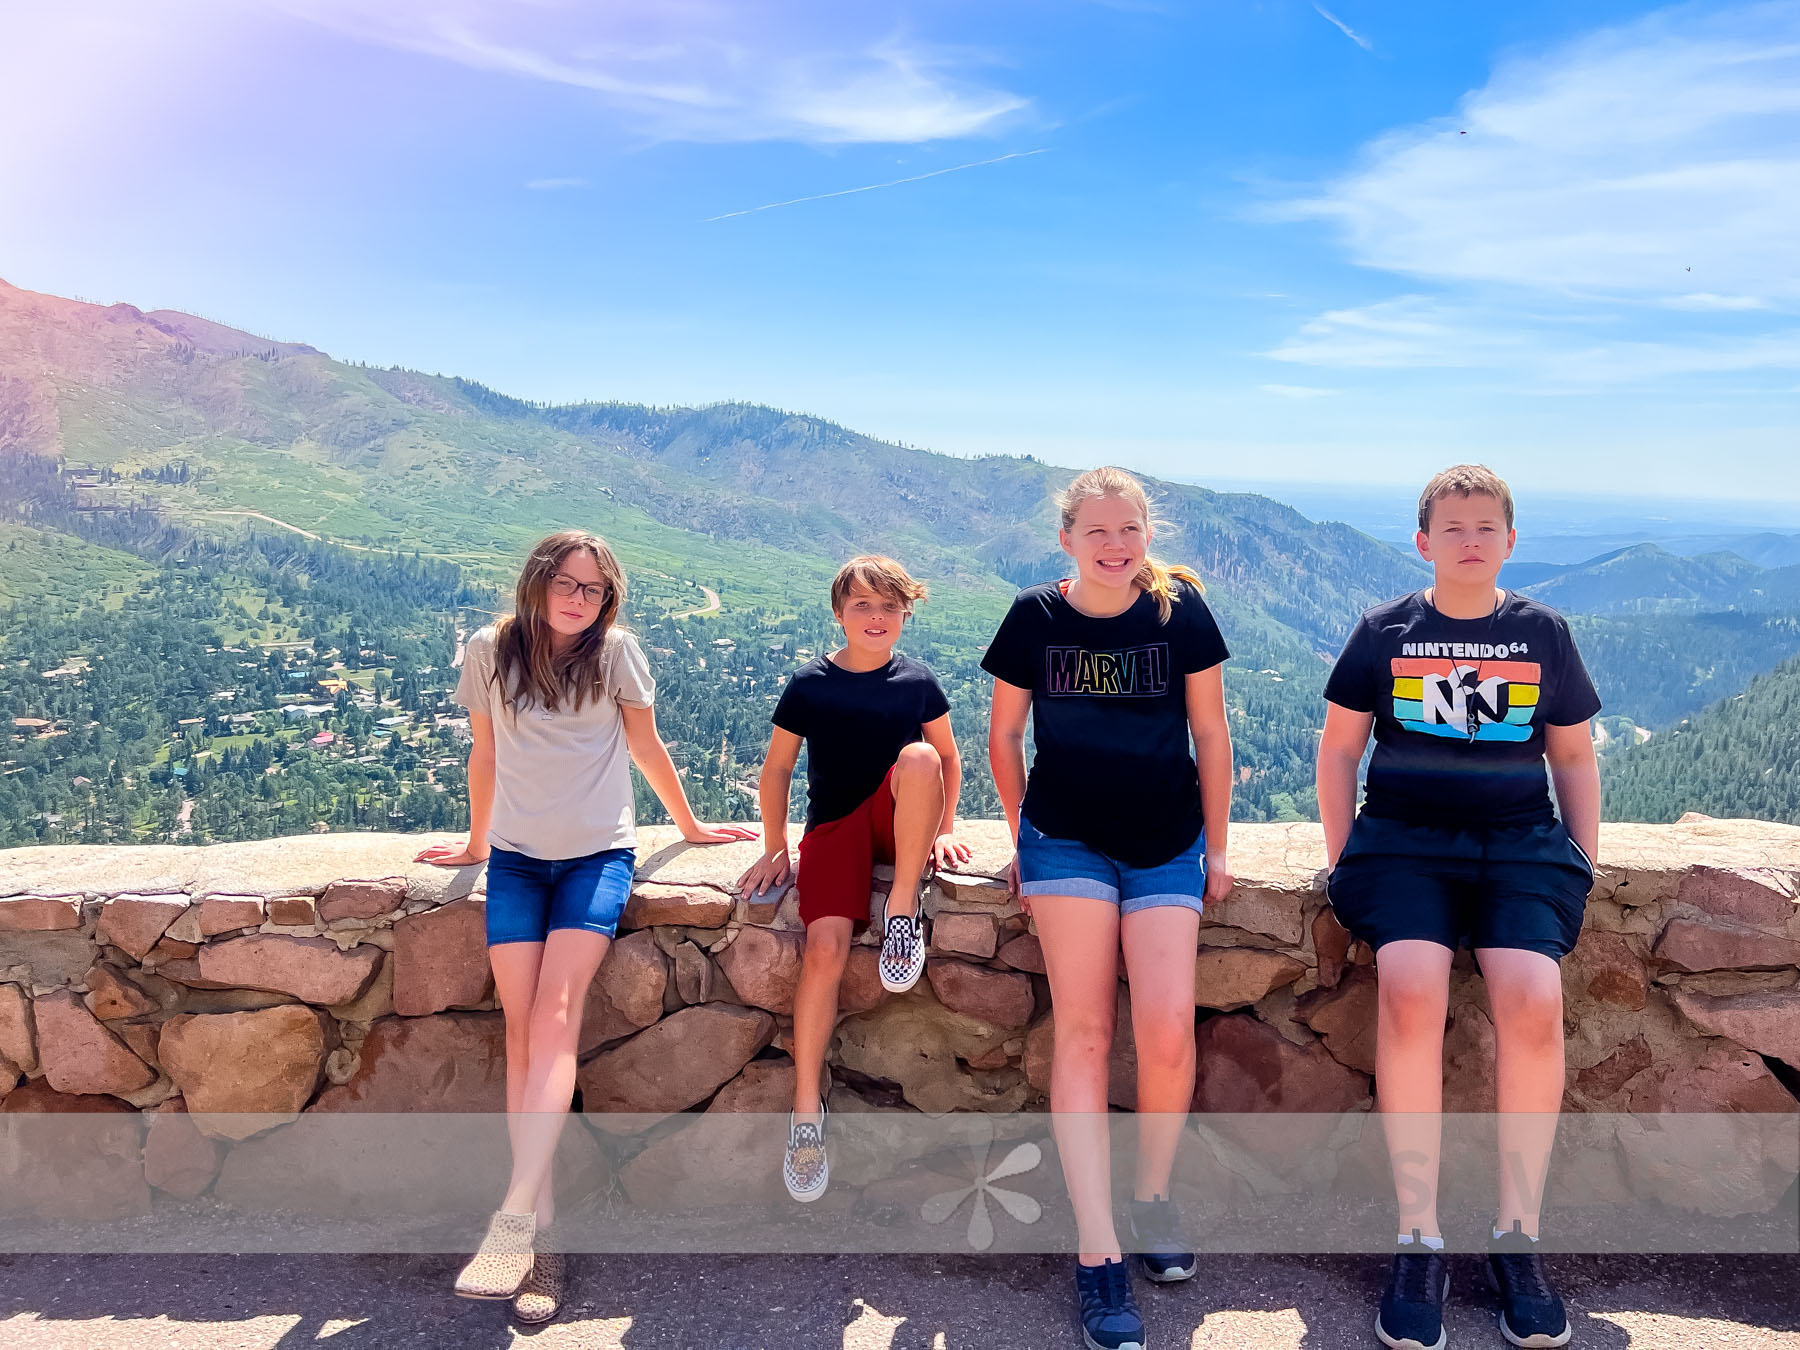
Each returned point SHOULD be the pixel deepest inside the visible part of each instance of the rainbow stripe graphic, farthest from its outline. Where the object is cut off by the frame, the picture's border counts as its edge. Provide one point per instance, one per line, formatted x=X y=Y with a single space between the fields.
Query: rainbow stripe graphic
x=1431 y=695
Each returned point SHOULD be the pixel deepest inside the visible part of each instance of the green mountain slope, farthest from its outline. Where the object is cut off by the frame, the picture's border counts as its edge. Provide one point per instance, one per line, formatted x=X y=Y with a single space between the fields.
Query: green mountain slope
x=749 y=498
x=1659 y=668
x=278 y=499
x=155 y=442
x=1740 y=757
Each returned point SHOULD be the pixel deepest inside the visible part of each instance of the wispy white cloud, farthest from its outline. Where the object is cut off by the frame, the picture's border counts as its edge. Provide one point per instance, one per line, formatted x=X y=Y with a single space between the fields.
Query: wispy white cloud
x=1295 y=390
x=552 y=184
x=703 y=70
x=1345 y=28
x=1616 y=210
x=1408 y=332
x=1615 y=163
x=876 y=187
x=1707 y=302
x=1554 y=352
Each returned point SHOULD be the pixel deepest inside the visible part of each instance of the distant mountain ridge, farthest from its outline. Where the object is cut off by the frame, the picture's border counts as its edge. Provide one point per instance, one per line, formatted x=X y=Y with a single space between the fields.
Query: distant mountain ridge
x=217 y=339
x=397 y=458
x=1765 y=548
x=1646 y=578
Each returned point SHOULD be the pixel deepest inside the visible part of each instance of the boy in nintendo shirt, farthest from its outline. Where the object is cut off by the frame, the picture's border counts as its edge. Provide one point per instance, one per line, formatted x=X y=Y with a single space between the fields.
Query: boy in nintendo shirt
x=1470 y=691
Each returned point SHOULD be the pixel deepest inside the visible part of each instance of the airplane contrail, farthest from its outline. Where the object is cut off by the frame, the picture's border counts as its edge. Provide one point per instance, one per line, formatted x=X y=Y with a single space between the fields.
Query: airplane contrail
x=872 y=187
x=1344 y=28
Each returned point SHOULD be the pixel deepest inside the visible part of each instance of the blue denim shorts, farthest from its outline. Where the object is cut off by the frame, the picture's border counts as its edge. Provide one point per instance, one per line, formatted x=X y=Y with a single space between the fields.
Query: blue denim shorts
x=1050 y=866
x=527 y=897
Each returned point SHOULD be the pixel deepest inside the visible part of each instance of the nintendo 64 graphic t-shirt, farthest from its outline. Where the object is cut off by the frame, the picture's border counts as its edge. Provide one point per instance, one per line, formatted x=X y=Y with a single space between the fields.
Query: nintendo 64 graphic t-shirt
x=1460 y=709
x=1114 y=766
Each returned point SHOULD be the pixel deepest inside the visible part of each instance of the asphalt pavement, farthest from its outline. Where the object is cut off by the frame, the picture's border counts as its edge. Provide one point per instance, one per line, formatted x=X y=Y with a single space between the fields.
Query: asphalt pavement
x=261 y=1302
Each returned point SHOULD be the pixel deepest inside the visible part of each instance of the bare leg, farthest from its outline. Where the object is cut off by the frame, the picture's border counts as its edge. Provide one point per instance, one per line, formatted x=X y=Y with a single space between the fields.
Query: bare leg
x=516 y=966
x=1409 y=1072
x=571 y=956
x=1159 y=948
x=1080 y=938
x=918 y=786
x=1525 y=995
x=815 y=1006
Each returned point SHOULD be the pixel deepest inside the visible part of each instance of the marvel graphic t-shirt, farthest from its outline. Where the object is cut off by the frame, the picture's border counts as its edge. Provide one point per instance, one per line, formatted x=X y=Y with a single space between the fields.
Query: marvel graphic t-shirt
x=1114 y=768
x=1460 y=709
x=855 y=724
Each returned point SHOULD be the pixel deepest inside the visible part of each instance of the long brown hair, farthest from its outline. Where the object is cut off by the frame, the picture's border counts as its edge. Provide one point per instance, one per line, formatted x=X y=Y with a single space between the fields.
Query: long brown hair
x=1155 y=577
x=525 y=661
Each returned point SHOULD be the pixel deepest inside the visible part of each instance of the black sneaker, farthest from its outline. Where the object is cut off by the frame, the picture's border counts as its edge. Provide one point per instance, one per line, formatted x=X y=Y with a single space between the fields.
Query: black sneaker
x=1530 y=1312
x=1156 y=1234
x=1109 y=1315
x=1411 y=1316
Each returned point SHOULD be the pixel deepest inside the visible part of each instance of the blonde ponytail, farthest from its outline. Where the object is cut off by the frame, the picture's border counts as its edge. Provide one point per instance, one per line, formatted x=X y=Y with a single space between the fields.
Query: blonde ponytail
x=1157 y=579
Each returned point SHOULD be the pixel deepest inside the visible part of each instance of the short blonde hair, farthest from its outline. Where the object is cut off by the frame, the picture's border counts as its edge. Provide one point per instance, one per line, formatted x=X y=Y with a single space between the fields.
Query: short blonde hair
x=1464 y=480
x=883 y=575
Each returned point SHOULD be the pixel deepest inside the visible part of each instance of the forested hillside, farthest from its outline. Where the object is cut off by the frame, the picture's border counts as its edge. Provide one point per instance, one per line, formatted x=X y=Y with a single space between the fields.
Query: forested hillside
x=234 y=573
x=1740 y=757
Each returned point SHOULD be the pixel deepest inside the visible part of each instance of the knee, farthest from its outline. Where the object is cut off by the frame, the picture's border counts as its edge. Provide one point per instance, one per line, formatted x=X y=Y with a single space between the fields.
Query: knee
x=553 y=1015
x=918 y=762
x=1532 y=1012
x=826 y=950
x=1412 y=1010
x=1164 y=1045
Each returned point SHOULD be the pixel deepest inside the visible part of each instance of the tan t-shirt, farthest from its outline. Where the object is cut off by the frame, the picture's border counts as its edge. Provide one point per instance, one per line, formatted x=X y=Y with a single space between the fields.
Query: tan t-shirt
x=562 y=780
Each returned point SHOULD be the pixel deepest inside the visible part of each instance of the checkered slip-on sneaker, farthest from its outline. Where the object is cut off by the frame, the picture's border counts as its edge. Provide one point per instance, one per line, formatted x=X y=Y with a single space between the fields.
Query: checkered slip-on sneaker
x=804 y=1167
x=902 y=951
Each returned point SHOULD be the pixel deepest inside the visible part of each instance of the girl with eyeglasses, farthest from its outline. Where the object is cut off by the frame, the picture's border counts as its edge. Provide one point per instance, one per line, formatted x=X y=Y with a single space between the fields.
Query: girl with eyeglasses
x=559 y=698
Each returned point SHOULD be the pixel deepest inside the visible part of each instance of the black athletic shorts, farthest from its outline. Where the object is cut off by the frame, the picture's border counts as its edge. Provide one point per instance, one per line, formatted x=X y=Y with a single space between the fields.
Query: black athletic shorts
x=1522 y=887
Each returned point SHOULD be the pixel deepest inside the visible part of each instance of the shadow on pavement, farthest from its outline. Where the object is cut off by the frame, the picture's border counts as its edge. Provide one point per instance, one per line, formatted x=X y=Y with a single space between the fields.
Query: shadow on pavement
x=853 y=1302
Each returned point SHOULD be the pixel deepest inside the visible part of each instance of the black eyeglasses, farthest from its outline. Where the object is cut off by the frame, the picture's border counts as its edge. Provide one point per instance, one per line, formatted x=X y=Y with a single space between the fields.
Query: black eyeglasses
x=565 y=586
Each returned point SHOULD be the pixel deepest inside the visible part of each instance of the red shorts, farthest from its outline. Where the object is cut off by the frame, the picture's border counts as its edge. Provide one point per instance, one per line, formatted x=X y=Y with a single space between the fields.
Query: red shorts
x=836 y=860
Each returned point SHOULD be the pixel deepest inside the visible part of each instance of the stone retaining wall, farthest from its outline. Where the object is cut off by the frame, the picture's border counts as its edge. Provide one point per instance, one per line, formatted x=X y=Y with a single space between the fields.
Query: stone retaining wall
x=331 y=974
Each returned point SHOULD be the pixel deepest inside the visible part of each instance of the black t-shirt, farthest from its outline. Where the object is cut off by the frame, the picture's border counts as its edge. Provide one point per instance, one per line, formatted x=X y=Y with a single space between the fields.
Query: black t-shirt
x=1420 y=672
x=1115 y=768
x=855 y=724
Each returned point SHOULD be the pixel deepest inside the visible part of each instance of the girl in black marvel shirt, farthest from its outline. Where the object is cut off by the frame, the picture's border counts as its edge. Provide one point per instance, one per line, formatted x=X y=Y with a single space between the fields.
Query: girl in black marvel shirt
x=1121 y=839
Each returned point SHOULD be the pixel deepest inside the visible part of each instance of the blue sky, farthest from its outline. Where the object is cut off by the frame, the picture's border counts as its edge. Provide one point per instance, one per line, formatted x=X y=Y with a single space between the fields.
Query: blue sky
x=1275 y=240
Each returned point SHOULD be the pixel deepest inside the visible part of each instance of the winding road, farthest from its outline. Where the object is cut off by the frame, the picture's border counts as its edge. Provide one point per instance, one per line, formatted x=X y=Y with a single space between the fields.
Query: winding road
x=710 y=607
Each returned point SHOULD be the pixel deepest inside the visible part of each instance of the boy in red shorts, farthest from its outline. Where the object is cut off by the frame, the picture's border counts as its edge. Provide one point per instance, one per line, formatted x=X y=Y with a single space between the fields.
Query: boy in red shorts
x=882 y=777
